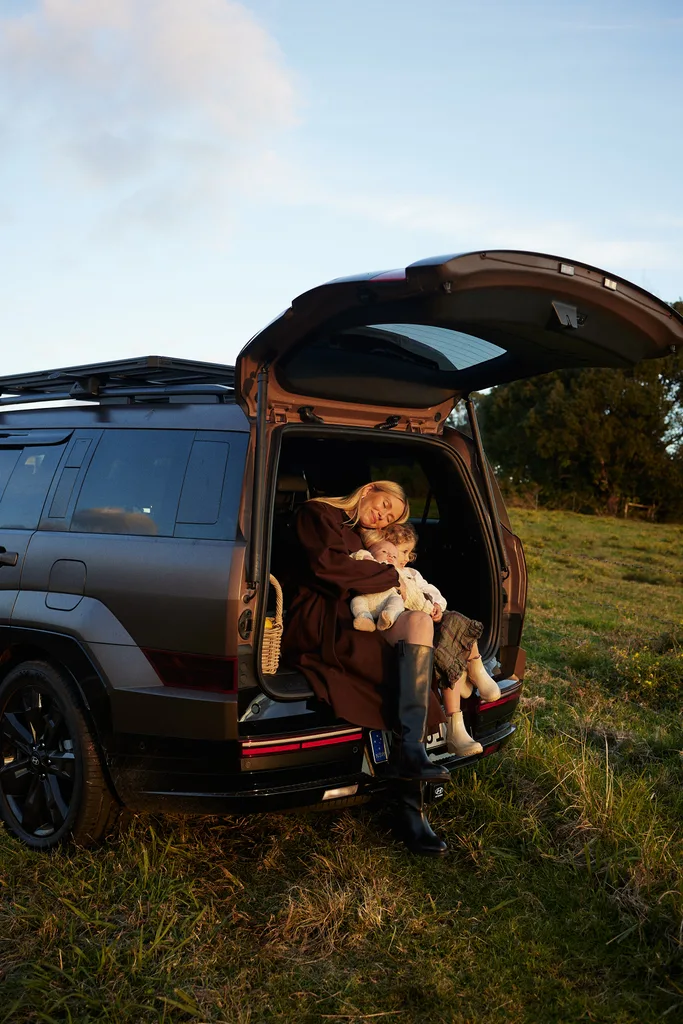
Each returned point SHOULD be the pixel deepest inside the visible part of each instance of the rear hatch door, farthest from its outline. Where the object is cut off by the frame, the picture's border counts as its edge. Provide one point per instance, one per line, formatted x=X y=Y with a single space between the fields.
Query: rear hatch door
x=410 y=343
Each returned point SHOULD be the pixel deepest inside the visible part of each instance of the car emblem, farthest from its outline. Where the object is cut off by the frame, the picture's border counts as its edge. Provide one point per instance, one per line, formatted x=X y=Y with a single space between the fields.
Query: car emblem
x=35 y=761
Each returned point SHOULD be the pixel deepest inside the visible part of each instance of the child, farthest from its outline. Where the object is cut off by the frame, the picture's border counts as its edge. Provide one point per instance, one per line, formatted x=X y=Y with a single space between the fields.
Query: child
x=457 y=655
x=387 y=605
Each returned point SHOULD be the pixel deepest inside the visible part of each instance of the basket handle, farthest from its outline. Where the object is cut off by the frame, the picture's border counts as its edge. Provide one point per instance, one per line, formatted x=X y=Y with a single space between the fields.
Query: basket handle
x=278 y=599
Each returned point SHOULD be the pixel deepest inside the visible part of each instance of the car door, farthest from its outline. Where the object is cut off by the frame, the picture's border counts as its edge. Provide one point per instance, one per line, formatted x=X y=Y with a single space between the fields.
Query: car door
x=410 y=343
x=28 y=463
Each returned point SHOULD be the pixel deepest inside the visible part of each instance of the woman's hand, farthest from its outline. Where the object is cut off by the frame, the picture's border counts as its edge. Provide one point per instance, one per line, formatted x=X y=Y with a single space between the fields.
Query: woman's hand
x=437 y=613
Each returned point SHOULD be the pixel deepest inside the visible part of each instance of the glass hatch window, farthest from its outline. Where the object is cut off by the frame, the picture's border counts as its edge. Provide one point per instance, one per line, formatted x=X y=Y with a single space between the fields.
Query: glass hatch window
x=457 y=351
x=398 y=364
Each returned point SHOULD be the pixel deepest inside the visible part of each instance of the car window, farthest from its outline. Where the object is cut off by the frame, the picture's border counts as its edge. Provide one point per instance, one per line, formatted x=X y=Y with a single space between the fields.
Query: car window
x=27 y=485
x=457 y=350
x=8 y=460
x=201 y=498
x=133 y=483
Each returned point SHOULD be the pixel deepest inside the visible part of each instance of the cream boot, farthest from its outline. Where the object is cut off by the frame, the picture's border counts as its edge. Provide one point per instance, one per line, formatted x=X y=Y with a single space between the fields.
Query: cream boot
x=477 y=674
x=458 y=740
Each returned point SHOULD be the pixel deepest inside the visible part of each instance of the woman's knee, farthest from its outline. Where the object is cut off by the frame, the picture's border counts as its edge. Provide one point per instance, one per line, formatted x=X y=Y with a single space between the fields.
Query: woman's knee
x=419 y=628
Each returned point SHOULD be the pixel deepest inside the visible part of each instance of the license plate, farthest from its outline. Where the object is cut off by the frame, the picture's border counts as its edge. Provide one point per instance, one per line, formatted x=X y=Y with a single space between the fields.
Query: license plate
x=438 y=738
x=378 y=746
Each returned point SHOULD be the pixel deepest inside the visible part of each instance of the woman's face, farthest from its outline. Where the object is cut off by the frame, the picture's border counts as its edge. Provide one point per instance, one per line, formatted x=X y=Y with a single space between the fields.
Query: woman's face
x=378 y=509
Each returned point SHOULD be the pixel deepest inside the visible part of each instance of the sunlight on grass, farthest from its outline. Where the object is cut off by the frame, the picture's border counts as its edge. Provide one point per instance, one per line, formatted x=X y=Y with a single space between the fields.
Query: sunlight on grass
x=561 y=900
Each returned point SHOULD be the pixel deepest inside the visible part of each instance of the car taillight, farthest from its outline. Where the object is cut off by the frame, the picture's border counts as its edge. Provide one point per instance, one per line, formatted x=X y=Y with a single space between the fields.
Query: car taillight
x=484 y=705
x=194 y=671
x=257 y=748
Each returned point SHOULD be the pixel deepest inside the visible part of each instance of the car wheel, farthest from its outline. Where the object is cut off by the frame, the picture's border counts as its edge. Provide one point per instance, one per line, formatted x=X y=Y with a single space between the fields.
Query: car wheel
x=52 y=787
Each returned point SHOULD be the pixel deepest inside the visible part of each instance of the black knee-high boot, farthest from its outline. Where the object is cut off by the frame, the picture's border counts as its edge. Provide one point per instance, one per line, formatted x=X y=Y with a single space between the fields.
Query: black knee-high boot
x=409 y=822
x=408 y=758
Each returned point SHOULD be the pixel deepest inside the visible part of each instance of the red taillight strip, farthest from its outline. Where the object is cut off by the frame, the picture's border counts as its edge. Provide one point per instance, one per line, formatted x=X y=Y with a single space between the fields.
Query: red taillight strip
x=497 y=703
x=281 y=748
x=356 y=736
x=492 y=747
x=301 y=738
x=257 y=748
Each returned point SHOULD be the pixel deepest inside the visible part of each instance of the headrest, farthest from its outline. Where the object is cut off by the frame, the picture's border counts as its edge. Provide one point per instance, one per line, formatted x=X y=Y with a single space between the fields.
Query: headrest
x=290 y=483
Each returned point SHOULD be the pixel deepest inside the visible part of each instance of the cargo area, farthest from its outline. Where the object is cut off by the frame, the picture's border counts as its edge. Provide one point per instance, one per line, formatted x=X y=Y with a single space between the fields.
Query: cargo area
x=455 y=548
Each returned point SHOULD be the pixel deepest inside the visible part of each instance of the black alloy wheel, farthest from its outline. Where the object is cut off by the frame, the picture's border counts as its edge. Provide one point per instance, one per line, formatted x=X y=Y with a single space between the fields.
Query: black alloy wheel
x=51 y=783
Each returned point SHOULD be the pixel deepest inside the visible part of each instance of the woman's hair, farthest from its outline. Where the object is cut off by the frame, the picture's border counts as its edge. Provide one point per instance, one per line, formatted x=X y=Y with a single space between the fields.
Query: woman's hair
x=395 y=533
x=351 y=503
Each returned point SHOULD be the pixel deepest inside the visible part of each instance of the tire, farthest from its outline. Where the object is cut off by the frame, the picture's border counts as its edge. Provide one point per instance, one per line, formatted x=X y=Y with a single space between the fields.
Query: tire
x=52 y=787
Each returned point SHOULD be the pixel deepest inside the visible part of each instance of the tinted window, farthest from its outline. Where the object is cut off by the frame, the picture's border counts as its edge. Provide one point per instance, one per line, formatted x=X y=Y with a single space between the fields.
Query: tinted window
x=133 y=483
x=460 y=350
x=203 y=487
x=8 y=460
x=24 y=495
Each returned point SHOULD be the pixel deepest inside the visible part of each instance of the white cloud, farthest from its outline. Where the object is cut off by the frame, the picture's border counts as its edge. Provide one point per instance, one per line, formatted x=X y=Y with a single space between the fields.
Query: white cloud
x=170 y=98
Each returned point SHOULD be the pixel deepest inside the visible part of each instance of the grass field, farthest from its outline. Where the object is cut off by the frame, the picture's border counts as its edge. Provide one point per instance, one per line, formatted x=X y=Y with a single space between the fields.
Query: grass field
x=561 y=901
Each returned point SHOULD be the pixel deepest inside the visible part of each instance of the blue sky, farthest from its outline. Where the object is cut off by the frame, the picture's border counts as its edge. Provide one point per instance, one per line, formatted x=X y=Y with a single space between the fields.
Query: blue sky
x=174 y=172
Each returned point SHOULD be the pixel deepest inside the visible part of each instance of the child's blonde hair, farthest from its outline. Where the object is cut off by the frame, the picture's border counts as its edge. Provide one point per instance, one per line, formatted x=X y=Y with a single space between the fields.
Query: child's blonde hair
x=395 y=533
x=351 y=503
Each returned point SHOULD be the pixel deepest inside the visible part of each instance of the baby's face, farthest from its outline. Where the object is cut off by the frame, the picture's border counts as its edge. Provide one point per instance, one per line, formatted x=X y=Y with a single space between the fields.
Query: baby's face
x=385 y=551
x=404 y=552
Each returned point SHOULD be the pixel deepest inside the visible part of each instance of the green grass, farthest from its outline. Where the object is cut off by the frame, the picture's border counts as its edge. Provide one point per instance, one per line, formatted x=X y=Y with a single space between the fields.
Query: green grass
x=561 y=900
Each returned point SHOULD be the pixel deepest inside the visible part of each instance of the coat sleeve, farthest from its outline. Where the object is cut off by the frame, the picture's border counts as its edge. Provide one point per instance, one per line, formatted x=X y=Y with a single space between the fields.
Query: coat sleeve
x=321 y=535
x=432 y=592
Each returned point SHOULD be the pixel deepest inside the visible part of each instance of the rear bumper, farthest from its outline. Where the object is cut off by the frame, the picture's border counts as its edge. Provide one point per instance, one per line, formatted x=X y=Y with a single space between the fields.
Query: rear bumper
x=143 y=786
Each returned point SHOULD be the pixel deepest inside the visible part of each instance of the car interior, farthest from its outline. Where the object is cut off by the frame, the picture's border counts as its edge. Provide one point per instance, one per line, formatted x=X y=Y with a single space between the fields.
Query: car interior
x=453 y=551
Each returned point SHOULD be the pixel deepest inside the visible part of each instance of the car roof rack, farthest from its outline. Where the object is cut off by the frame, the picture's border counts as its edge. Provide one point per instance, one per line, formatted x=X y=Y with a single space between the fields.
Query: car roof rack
x=147 y=377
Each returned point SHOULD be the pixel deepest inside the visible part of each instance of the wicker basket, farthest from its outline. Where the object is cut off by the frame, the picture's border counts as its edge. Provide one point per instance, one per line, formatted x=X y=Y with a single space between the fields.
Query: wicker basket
x=272 y=638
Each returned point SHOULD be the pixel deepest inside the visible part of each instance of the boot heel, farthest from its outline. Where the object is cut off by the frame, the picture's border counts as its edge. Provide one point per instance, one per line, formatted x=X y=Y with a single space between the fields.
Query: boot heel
x=410 y=823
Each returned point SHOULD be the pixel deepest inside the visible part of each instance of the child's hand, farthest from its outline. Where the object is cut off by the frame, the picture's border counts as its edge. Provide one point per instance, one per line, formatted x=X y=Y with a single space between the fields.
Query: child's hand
x=437 y=613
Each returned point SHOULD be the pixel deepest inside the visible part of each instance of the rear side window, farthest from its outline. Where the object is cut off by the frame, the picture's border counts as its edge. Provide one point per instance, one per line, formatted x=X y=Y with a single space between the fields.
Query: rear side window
x=24 y=486
x=8 y=460
x=133 y=483
x=201 y=498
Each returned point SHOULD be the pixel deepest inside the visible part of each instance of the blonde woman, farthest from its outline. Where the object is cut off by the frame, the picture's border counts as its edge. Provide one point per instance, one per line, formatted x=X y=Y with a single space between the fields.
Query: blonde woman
x=356 y=672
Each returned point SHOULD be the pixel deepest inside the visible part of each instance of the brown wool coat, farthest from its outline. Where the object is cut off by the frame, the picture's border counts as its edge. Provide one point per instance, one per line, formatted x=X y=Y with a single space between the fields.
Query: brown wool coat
x=351 y=670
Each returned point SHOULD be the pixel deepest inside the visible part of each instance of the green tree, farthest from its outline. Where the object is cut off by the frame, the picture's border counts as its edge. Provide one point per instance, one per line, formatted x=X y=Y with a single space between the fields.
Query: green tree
x=591 y=438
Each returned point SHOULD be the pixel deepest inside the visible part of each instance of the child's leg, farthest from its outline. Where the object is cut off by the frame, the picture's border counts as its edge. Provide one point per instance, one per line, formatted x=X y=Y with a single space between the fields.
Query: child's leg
x=362 y=616
x=477 y=674
x=451 y=700
x=391 y=611
x=458 y=740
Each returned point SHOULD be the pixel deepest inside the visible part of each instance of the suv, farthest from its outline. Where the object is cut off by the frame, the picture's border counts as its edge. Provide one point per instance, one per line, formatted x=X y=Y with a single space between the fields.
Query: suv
x=141 y=523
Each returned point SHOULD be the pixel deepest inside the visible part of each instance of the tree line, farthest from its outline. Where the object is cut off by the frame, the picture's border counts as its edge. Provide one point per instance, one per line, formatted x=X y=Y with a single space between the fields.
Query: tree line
x=591 y=440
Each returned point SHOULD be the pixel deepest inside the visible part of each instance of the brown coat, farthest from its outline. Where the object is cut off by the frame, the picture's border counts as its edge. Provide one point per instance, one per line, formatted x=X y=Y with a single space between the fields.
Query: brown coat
x=349 y=669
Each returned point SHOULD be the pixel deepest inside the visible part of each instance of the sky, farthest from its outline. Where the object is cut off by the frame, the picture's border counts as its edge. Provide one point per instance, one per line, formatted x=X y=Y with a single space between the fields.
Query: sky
x=174 y=172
